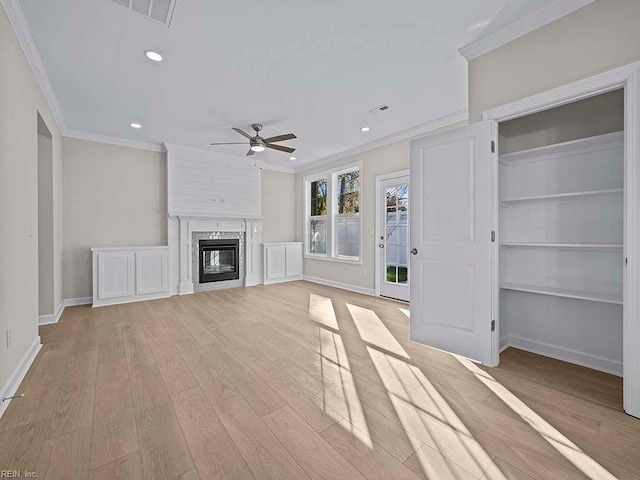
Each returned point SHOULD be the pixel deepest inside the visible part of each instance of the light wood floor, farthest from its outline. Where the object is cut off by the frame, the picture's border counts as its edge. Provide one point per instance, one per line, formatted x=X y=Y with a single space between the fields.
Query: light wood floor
x=300 y=381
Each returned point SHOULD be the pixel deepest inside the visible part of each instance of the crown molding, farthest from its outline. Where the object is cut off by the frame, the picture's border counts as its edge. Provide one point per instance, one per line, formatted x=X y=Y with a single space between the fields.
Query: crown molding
x=122 y=142
x=521 y=27
x=277 y=168
x=440 y=122
x=21 y=28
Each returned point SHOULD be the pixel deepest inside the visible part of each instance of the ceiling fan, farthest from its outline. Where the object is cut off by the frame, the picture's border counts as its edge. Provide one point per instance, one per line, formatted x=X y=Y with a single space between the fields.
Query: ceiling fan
x=258 y=144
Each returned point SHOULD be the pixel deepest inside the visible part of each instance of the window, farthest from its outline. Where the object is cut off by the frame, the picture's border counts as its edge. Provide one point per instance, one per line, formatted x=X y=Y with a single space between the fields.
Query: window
x=318 y=217
x=347 y=219
x=332 y=215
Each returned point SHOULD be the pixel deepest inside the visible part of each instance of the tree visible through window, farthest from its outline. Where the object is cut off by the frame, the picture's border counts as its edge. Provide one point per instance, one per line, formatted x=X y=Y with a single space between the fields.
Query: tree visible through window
x=348 y=214
x=318 y=217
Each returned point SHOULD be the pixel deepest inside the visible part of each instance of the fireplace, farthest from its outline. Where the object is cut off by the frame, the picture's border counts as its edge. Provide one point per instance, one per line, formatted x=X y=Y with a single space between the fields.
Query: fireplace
x=219 y=260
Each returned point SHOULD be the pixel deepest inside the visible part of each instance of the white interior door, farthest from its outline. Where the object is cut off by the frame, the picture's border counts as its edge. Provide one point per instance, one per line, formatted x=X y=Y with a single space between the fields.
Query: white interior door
x=393 y=237
x=452 y=218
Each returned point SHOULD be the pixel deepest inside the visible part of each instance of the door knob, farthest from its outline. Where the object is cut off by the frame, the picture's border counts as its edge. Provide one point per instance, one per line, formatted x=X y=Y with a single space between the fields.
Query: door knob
x=414 y=251
x=381 y=245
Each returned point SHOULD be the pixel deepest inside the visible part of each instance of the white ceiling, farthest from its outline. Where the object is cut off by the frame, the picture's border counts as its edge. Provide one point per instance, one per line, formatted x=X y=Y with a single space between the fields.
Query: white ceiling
x=311 y=68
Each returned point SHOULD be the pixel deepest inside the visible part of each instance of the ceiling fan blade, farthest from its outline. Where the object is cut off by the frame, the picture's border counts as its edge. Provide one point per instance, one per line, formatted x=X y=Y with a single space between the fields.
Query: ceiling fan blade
x=280 y=138
x=243 y=133
x=280 y=147
x=229 y=143
x=250 y=152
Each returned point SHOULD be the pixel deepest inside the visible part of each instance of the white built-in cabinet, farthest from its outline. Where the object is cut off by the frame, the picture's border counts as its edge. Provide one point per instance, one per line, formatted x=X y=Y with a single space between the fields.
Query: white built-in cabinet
x=282 y=262
x=561 y=250
x=131 y=274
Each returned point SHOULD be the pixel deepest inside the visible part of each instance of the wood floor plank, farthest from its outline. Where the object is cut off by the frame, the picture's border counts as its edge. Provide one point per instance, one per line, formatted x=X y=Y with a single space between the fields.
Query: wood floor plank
x=40 y=393
x=215 y=385
x=371 y=460
x=21 y=446
x=190 y=475
x=266 y=456
x=74 y=407
x=110 y=341
x=173 y=327
x=66 y=457
x=163 y=450
x=136 y=345
x=255 y=391
x=124 y=468
x=214 y=453
x=428 y=463
x=312 y=452
x=176 y=375
x=114 y=427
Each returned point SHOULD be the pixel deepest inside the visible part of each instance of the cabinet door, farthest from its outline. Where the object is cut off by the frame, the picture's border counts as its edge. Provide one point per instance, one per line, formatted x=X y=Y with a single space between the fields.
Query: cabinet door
x=453 y=206
x=151 y=272
x=116 y=275
x=294 y=260
x=275 y=262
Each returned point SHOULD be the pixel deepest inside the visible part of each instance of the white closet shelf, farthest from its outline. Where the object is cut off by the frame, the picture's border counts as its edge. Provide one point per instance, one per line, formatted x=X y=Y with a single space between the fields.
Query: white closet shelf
x=577 y=246
x=560 y=196
x=563 y=292
x=573 y=147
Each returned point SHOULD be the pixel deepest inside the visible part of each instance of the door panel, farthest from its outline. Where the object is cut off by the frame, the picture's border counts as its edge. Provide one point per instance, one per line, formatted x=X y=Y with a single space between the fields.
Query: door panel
x=393 y=242
x=452 y=199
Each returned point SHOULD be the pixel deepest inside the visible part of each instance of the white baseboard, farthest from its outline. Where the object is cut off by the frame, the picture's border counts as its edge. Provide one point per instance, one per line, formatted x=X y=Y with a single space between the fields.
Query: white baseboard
x=13 y=382
x=53 y=318
x=343 y=286
x=565 y=354
x=70 y=302
x=504 y=343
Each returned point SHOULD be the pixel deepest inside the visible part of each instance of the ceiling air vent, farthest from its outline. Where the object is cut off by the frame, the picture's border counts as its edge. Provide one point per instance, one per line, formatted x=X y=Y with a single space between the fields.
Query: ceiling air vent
x=378 y=109
x=158 y=10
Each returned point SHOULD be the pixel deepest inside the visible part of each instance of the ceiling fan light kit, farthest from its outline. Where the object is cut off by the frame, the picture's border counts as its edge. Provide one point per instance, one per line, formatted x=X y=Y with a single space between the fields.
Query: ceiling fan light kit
x=258 y=144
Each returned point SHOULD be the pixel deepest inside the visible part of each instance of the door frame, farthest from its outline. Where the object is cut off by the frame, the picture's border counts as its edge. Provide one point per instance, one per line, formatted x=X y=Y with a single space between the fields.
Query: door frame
x=628 y=78
x=378 y=228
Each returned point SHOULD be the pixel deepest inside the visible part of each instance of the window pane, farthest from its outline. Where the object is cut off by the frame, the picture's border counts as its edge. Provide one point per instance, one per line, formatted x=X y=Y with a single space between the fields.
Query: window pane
x=348 y=236
x=392 y=235
x=403 y=275
x=391 y=274
x=391 y=197
x=402 y=235
x=319 y=198
x=318 y=235
x=348 y=193
x=391 y=216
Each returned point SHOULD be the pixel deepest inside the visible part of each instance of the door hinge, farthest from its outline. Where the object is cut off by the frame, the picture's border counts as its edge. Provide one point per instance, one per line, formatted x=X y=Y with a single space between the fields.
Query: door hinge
x=493 y=325
x=493 y=146
x=493 y=236
x=626 y=261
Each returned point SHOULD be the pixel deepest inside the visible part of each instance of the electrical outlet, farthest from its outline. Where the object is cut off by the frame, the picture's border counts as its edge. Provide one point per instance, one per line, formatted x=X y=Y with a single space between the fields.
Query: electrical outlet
x=8 y=338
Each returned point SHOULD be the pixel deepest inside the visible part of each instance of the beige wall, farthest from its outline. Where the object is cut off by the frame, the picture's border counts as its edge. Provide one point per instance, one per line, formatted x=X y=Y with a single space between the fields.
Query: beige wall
x=46 y=303
x=385 y=159
x=113 y=196
x=594 y=39
x=20 y=101
x=278 y=206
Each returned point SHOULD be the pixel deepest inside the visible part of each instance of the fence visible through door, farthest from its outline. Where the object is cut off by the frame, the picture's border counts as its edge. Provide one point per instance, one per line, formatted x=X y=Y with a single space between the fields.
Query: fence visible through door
x=393 y=237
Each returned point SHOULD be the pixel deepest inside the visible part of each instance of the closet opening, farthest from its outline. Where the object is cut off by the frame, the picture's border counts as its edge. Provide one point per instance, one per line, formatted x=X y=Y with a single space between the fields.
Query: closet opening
x=561 y=191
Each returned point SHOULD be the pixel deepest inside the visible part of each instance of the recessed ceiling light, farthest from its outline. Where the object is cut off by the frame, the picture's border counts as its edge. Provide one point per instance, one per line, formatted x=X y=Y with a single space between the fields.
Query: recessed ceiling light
x=151 y=55
x=136 y=125
x=292 y=158
x=364 y=129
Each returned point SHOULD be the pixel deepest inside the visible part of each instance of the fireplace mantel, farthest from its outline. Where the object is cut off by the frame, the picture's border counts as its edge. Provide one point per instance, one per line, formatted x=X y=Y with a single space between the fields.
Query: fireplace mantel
x=250 y=226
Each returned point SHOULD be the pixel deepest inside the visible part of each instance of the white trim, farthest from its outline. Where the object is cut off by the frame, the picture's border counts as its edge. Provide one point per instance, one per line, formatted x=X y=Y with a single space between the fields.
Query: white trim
x=343 y=286
x=72 y=302
x=379 y=205
x=21 y=29
x=627 y=77
x=10 y=387
x=521 y=27
x=52 y=318
x=441 y=122
x=277 y=168
x=121 y=142
x=565 y=354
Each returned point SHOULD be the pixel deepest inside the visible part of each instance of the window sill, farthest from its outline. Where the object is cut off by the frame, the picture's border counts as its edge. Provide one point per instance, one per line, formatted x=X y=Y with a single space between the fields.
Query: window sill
x=334 y=259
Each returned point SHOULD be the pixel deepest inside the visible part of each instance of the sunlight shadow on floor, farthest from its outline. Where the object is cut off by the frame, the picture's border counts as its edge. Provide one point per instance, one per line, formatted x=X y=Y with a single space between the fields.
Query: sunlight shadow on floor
x=566 y=447
x=373 y=331
x=321 y=311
